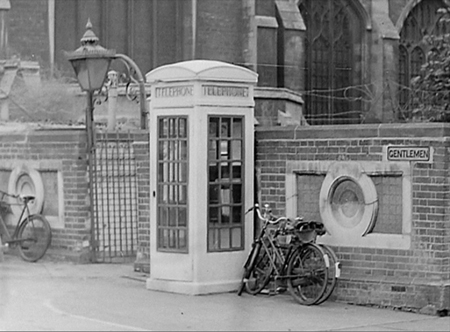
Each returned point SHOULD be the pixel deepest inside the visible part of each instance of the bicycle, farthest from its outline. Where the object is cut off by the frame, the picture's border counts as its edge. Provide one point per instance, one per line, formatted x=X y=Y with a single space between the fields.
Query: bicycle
x=32 y=232
x=299 y=263
x=334 y=272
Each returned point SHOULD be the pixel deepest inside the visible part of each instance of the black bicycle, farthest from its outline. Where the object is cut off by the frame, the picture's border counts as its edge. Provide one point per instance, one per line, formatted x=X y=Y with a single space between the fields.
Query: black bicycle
x=32 y=233
x=288 y=256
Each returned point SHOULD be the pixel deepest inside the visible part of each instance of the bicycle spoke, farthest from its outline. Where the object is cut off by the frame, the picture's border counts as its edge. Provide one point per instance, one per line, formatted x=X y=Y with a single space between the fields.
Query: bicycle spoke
x=34 y=238
x=308 y=274
x=259 y=274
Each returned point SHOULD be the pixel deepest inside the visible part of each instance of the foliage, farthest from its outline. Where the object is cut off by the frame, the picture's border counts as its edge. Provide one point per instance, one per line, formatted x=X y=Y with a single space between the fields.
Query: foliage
x=52 y=101
x=430 y=91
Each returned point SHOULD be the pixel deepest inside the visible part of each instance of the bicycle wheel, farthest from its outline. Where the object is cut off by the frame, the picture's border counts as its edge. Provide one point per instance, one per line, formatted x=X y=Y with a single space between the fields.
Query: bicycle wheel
x=334 y=272
x=35 y=236
x=248 y=265
x=307 y=274
x=259 y=272
x=247 y=268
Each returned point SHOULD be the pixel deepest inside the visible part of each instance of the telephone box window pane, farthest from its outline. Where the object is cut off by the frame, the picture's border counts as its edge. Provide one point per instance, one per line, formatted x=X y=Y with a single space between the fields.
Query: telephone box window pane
x=237 y=194
x=236 y=166
x=172 y=217
x=214 y=127
x=224 y=150
x=182 y=194
x=182 y=217
x=163 y=128
x=236 y=237
x=225 y=183
x=162 y=150
x=237 y=128
x=225 y=170
x=225 y=238
x=172 y=184
x=237 y=215
x=182 y=238
x=225 y=194
x=213 y=150
x=213 y=239
x=183 y=150
x=182 y=128
x=213 y=215
x=213 y=172
x=225 y=215
x=225 y=128
x=213 y=194
x=236 y=149
x=183 y=173
x=164 y=217
x=160 y=173
x=172 y=239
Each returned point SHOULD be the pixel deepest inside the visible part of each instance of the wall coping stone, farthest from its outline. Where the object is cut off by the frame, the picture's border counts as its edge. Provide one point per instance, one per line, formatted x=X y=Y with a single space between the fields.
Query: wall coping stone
x=388 y=130
x=278 y=93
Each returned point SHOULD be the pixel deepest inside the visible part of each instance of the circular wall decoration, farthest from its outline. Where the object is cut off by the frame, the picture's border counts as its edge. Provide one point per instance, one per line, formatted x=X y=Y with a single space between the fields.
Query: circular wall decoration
x=25 y=180
x=348 y=201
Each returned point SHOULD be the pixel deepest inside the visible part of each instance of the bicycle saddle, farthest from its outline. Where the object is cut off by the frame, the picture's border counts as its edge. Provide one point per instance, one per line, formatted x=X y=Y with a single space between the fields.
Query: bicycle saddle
x=306 y=226
x=27 y=198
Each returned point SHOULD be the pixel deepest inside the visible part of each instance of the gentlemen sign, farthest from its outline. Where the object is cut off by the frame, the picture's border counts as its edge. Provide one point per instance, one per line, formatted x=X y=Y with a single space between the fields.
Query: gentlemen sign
x=409 y=153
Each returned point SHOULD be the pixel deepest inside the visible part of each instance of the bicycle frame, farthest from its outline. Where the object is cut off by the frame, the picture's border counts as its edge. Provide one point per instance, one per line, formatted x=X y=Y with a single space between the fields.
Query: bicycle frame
x=12 y=239
x=280 y=257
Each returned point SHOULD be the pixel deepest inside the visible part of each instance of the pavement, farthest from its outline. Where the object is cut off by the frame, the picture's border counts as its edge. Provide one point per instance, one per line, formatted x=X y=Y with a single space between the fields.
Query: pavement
x=63 y=296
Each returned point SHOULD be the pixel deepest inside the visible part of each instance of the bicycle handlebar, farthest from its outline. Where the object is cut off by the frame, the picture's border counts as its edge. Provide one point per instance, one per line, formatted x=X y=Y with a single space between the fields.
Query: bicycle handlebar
x=271 y=219
x=289 y=225
x=4 y=193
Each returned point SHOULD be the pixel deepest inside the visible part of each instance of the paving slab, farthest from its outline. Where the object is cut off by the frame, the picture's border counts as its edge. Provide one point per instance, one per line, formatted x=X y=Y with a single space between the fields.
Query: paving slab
x=112 y=297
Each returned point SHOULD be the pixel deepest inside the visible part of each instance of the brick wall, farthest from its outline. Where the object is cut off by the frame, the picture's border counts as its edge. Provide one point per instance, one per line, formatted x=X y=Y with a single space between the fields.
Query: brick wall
x=415 y=277
x=63 y=152
x=142 y=154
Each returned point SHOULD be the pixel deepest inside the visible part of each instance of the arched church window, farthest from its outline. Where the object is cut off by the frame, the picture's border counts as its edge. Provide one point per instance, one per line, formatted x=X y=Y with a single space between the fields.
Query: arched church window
x=333 y=61
x=423 y=20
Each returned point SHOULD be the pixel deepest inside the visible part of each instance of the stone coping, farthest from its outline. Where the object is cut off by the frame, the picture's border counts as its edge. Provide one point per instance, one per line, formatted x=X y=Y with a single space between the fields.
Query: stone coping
x=278 y=93
x=388 y=130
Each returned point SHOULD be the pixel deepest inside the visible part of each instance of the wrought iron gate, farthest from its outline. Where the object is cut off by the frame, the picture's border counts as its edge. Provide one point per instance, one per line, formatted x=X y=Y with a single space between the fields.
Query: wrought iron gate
x=115 y=198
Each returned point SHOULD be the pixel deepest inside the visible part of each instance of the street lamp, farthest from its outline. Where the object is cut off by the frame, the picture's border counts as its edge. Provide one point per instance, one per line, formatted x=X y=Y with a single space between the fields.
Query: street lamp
x=91 y=63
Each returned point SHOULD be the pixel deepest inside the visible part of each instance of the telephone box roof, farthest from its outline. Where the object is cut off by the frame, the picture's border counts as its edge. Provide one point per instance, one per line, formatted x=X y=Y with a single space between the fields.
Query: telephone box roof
x=205 y=70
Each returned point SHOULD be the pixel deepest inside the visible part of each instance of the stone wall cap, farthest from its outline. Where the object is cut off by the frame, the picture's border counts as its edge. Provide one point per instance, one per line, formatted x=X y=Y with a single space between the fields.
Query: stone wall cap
x=384 y=130
x=5 y=5
x=202 y=70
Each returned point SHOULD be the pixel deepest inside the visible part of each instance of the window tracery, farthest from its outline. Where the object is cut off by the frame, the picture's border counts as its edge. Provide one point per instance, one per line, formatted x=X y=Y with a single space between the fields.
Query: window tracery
x=422 y=21
x=333 y=56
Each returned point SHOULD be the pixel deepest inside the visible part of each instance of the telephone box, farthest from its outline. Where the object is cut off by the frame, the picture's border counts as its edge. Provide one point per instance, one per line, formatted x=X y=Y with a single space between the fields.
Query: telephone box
x=201 y=175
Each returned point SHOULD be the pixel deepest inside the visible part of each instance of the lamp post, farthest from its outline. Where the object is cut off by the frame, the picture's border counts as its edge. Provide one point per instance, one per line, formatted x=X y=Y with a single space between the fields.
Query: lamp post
x=91 y=64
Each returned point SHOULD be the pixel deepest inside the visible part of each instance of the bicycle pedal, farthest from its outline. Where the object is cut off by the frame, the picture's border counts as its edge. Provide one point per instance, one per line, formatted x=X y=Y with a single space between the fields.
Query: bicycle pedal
x=281 y=289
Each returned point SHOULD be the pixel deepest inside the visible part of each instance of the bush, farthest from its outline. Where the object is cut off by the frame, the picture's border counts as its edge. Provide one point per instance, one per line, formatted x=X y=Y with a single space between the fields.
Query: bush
x=430 y=91
x=53 y=101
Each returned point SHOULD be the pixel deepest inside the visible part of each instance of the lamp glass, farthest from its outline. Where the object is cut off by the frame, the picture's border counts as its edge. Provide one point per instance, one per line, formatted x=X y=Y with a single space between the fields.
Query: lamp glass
x=91 y=72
